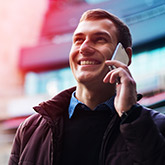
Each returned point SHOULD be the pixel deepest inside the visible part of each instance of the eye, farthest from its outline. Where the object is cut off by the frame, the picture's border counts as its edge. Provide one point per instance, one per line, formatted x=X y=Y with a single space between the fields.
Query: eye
x=78 y=40
x=101 y=39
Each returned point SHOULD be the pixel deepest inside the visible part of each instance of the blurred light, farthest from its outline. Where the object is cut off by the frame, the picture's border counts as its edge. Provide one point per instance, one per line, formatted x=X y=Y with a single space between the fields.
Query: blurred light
x=50 y=82
x=52 y=87
x=95 y=1
x=148 y=70
x=58 y=39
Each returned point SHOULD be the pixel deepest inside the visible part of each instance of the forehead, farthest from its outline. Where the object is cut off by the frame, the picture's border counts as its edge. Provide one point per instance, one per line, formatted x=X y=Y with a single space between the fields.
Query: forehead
x=93 y=26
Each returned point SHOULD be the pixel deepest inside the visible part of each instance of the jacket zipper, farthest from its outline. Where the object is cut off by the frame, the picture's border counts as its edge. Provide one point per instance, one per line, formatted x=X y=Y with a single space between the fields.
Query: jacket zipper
x=52 y=149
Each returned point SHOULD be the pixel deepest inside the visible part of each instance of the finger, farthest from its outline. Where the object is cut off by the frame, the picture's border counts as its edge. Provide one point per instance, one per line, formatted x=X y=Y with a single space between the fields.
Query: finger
x=112 y=77
x=117 y=64
x=116 y=75
x=107 y=77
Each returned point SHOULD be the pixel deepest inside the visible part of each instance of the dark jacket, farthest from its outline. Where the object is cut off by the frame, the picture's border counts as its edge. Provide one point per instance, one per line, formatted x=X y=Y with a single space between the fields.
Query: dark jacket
x=38 y=139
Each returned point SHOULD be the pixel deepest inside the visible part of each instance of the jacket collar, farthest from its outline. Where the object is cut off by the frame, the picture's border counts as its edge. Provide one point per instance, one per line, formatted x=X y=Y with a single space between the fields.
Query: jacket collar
x=58 y=105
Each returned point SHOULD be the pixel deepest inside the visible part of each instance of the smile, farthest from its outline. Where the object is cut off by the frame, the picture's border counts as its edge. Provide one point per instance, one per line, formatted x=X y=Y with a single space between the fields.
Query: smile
x=89 y=62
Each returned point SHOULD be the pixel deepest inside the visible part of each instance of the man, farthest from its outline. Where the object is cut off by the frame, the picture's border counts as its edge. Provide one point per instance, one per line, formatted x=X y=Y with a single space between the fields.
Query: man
x=98 y=122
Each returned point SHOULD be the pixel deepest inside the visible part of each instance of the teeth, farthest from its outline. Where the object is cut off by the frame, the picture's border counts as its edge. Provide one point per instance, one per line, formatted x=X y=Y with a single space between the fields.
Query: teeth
x=87 y=62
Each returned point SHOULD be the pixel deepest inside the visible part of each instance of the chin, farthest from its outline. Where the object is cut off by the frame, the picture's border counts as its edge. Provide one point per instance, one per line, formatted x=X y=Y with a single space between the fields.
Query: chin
x=89 y=79
x=84 y=77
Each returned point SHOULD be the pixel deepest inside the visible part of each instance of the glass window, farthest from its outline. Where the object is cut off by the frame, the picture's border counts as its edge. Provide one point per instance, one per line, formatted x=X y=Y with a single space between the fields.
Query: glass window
x=50 y=82
x=148 y=68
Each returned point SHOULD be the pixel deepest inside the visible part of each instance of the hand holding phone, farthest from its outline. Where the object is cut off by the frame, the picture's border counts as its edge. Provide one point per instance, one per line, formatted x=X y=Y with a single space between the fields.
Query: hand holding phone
x=120 y=55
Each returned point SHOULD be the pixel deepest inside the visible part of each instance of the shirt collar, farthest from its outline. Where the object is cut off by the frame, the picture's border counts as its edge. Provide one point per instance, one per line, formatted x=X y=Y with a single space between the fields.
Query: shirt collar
x=74 y=102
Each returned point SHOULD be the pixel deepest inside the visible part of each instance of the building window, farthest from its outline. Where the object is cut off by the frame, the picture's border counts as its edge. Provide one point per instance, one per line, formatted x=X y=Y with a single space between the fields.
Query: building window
x=51 y=82
x=148 y=70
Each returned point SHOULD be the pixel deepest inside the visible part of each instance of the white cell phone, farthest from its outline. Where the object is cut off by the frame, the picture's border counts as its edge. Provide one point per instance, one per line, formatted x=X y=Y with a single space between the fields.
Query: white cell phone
x=120 y=55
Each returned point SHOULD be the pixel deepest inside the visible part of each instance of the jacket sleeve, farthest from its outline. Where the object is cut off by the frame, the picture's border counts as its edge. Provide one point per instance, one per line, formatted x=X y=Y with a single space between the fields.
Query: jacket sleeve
x=144 y=137
x=15 y=152
x=21 y=138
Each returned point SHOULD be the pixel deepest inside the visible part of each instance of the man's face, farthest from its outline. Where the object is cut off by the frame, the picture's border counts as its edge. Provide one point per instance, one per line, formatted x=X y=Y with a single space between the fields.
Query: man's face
x=93 y=43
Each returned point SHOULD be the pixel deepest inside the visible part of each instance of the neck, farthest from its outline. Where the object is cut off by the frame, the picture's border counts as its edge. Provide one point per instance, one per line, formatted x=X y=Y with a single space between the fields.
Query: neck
x=92 y=95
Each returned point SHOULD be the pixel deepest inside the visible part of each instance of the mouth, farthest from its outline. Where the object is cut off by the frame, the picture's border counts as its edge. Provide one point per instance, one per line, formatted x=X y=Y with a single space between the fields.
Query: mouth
x=88 y=62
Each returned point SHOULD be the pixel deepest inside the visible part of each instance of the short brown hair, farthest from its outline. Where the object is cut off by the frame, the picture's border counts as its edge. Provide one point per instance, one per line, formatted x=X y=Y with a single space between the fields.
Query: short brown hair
x=124 y=35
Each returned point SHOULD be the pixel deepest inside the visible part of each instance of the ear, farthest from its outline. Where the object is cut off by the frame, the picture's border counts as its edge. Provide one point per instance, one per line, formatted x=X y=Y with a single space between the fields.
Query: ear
x=129 y=52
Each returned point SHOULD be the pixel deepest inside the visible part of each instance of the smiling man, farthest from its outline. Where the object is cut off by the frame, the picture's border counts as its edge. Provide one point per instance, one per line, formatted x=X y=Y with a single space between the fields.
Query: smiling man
x=98 y=122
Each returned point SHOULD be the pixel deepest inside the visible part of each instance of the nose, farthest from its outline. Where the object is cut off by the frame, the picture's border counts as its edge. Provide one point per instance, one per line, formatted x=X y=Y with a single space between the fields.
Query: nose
x=86 y=48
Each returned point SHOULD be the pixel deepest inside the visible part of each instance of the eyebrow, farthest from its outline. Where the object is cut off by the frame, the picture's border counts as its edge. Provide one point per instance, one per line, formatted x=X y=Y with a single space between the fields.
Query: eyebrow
x=103 y=34
x=96 y=34
x=77 y=34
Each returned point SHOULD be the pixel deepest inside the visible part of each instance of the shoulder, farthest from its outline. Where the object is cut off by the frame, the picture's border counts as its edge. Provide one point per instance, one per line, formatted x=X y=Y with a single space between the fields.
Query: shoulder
x=34 y=119
x=31 y=123
x=34 y=126
x=159 y=120
x=157 y=117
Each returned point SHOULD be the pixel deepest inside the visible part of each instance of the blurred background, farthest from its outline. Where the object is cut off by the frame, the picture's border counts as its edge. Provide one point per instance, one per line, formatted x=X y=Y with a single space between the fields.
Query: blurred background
x=35 y=40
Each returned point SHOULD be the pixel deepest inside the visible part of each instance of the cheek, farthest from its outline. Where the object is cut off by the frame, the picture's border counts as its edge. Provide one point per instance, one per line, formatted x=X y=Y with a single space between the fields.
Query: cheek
x=107 y=53
x=72 y=57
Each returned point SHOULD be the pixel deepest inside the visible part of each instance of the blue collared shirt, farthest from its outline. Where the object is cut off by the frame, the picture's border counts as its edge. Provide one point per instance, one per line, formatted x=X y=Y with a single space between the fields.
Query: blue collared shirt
x=74 y=103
